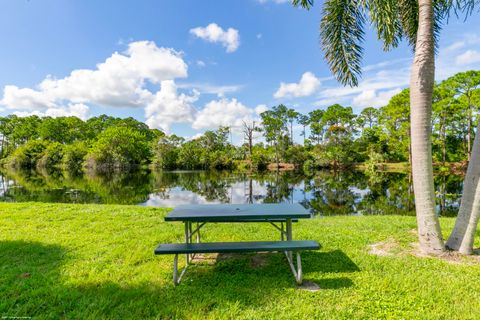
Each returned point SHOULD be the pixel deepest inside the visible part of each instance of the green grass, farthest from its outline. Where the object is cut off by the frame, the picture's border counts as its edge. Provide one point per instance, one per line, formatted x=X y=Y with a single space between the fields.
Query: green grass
x=96 y=261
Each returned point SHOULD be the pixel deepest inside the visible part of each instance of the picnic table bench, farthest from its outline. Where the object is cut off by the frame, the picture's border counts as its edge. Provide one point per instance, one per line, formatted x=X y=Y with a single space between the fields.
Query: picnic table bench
x=280 y=216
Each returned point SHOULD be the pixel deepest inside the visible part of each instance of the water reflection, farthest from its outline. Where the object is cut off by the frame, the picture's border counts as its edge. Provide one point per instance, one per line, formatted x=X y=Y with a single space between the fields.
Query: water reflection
x=325 y=193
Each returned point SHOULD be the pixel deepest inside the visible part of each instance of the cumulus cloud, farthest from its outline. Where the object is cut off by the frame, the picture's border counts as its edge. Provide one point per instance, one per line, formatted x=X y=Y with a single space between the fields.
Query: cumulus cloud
x=307 y=86
x=223 y=112
x=373 y=98
x=119 y=81
x=229 y=38
x=78 y=110
x=261 y=108
x=167 y=106
x=468 y=57
x=25 y=98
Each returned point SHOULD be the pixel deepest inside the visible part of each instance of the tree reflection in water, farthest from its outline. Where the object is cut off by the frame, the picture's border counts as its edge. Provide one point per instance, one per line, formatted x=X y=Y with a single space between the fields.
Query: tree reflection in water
x=324 y=192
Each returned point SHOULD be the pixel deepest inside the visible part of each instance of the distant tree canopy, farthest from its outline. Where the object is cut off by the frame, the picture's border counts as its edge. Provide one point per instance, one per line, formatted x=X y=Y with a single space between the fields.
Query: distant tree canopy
x=332 y=137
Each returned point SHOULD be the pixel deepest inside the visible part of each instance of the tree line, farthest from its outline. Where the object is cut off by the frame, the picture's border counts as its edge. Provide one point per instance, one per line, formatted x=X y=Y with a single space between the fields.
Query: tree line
x=332 y=137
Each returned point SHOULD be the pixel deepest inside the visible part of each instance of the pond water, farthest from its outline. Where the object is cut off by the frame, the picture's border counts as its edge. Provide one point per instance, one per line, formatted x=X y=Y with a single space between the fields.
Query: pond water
x=324 y=193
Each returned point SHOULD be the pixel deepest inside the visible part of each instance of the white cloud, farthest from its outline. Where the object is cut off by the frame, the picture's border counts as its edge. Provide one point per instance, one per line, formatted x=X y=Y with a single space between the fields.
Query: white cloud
x=200 y=63
x=223 y=112
x=372 y=98
x=208 y=88
x=78 y=110
x=373 y=88
x=167 y=107
x=195 y=136
x=25 y=98
x=383 y=64
x=119 y=81
x=261 y=108
x=229 y=38
x=468 y=57
x=307 y=86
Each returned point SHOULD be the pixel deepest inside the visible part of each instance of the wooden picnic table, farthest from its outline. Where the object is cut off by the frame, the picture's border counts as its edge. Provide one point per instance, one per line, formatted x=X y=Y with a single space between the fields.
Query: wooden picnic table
x=278 y=215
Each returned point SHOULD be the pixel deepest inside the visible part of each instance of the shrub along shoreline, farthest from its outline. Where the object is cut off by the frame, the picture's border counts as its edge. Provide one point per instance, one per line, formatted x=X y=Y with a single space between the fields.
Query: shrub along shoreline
x=96 y=261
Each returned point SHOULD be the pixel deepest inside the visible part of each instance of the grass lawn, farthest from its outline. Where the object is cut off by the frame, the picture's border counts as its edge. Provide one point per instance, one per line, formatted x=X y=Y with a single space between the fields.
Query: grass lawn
x=97 y=261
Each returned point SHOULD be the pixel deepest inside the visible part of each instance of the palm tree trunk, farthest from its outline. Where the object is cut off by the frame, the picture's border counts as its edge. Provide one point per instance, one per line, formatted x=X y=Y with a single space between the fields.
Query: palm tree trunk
x=469 y=134
x=463 y=233
x=421 y=84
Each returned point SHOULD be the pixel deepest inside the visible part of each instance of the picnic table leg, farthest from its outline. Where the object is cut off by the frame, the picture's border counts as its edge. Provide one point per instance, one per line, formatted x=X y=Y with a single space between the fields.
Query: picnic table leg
x=198 y=232
x=176 y=277
x=187 y=238
x=175 y=269
x=299 y=276
x=289 y=237
x=282 y=231
x=190 y=238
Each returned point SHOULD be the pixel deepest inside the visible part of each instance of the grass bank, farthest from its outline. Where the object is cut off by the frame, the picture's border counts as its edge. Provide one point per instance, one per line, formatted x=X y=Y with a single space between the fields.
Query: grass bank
x=96 y=261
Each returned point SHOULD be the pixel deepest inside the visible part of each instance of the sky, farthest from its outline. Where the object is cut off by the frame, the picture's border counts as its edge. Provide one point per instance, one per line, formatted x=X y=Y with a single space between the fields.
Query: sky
x=187 y=66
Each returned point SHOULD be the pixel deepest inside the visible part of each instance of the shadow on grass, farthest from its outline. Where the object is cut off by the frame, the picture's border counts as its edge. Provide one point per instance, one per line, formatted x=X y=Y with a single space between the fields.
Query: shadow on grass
x=335 y=261
x=33 y=285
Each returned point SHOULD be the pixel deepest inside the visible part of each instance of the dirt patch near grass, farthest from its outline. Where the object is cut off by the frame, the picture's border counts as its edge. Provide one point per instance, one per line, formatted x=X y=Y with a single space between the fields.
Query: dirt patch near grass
x=391 y=248
x=453 y=257
x=384 y=248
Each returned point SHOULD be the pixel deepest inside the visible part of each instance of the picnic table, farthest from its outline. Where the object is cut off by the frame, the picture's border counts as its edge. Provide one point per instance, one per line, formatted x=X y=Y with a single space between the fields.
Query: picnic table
x=195 y=217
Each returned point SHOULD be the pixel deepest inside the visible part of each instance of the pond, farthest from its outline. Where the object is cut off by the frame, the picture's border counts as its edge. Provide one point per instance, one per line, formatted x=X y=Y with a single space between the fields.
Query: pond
x=324 y=192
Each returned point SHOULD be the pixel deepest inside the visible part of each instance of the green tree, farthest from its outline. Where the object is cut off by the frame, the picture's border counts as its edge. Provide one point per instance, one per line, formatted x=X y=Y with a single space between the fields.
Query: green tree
x=395 y=119
x=304 y=121
x=316 y=125
x=368 y=117
x=62 y=129
x=165 y=152
x=275 y=129
x=27 y=155
x=339 y=123
x=464 y=84
x=443 y=117
x=292 y=116
x=118 y=148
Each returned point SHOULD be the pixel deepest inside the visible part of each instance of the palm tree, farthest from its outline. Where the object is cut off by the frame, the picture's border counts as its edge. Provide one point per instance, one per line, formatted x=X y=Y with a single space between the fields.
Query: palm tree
x=419 y=22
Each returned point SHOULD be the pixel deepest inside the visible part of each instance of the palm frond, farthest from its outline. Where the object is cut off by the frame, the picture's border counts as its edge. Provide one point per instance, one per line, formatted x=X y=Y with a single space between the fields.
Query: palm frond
x=341 y=34
x=384 y=16
x=306 y=4
x=408 y=16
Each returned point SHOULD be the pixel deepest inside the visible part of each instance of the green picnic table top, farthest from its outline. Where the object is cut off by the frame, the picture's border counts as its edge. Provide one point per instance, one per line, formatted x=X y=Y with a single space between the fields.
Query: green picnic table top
x=238 y=212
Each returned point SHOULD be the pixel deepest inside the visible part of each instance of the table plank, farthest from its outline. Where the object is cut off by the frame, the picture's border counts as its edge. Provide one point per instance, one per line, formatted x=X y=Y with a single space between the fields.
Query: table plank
x=224 y=247
x=237 y=212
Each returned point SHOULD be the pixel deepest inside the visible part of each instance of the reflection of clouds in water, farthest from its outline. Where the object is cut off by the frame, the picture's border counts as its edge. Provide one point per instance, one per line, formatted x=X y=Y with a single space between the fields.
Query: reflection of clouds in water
x=238 y=192
x=360 y=192
x=175 y=197
x=5 y=185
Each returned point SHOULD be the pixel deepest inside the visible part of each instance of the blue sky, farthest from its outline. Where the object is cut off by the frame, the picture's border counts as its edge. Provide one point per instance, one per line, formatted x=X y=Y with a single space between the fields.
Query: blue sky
x=190 y=66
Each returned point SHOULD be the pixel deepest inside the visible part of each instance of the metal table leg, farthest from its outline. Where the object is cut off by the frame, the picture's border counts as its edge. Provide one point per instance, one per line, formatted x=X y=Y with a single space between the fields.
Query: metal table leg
x=187 y=238
x=289 y=236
